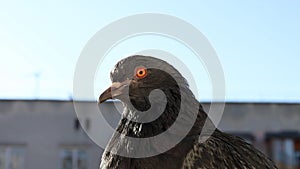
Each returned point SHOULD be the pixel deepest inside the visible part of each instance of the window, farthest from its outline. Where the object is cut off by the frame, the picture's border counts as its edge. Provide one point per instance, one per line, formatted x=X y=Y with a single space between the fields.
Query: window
x=11 y=157
x=73 y=159
x=76 y=124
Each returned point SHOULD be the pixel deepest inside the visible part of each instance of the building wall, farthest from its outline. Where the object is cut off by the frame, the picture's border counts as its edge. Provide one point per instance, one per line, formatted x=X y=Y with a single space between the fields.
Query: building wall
x=260 y=117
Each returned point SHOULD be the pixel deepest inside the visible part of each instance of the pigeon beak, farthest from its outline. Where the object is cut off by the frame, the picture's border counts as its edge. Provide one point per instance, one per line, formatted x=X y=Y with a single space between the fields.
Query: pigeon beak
x=115 y=90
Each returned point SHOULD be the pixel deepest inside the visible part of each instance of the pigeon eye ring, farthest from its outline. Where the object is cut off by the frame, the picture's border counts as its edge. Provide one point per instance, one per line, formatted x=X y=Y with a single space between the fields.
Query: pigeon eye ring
x=141 y=72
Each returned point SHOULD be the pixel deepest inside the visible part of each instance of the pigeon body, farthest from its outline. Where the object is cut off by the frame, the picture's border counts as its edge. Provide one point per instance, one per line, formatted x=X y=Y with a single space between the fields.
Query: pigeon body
x=142 y=75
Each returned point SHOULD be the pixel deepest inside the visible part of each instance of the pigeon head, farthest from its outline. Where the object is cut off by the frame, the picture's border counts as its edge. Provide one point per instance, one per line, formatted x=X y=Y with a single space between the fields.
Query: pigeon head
x=153 y=94
x=135 y=77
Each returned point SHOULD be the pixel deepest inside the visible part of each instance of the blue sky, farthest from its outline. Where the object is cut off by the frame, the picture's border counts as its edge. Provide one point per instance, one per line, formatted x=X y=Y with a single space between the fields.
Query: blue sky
x=257 y=43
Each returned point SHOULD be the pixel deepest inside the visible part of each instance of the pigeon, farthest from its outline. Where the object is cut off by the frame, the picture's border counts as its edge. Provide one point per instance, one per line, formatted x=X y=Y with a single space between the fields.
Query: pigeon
x=134 y=80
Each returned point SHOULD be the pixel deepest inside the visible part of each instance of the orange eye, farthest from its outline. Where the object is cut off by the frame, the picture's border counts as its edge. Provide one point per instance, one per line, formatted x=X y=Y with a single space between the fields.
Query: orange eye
x=141 y=72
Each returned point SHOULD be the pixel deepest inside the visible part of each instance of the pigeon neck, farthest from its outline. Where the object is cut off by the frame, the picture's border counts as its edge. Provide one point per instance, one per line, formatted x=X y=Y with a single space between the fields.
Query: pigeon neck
x=172 y=158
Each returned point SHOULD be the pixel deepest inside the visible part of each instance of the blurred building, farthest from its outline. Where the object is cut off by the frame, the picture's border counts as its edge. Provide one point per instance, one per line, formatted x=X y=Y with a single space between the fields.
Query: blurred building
x=37 y=134
x=44 y=135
